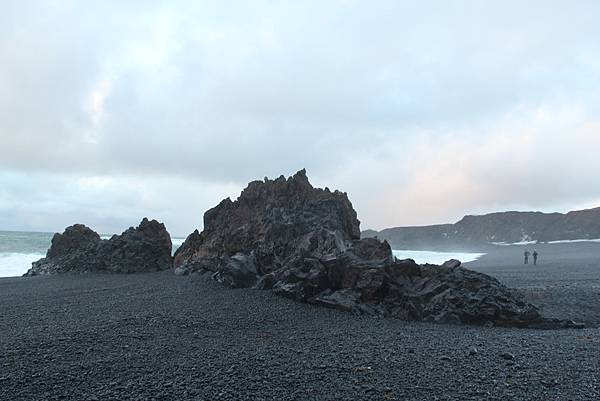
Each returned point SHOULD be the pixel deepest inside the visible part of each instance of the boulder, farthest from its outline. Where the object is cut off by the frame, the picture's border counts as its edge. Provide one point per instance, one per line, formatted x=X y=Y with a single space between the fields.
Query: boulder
x=80 y=250
x=304 y=243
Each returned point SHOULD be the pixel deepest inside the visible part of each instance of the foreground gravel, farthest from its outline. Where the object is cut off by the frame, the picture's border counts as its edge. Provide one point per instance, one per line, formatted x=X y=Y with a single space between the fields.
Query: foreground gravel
x=161 y=337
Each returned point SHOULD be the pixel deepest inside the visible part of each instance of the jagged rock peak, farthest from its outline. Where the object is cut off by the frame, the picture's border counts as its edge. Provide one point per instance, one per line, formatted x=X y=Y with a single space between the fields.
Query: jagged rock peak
x=297 y=185
x=273 y=211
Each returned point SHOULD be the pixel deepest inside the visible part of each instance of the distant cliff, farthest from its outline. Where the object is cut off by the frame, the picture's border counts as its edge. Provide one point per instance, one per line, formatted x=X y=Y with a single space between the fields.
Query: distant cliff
x=505 y=227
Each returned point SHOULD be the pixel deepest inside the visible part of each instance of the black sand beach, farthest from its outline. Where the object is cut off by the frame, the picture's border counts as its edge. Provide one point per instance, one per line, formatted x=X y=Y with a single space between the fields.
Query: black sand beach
x=565 y=282
x=156 y=336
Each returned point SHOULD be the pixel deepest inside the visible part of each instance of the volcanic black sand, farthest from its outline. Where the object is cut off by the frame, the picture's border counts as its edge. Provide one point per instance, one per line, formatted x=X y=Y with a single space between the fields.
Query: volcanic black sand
x=565 y=283
x=158 y=336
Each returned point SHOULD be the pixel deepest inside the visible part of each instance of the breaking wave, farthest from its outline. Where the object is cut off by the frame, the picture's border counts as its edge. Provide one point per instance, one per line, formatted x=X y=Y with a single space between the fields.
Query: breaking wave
x=16 y=264
x=436 y=258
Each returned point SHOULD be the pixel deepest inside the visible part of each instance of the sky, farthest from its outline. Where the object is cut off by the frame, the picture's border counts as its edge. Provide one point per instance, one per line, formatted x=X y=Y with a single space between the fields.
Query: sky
x=111 y=111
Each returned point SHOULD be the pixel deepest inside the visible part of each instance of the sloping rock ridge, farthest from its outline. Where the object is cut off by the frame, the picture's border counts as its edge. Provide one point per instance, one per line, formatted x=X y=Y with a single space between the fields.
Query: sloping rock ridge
x=504 y=227
x=303 y=243
x=79 y=249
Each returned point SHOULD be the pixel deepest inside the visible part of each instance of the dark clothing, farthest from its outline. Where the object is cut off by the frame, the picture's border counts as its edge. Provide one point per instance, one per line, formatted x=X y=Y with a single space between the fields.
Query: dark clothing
x=526 y=254
x=535 y=256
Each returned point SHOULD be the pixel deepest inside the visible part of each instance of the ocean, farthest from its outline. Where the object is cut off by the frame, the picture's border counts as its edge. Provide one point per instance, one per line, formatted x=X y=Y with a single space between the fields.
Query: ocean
x=19 y=249
x=436 y=258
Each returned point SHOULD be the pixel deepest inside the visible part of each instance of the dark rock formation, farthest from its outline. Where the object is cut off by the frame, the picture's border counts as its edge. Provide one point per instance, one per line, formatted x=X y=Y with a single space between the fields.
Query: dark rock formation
x=80 y=250
x=302 y=242
x=475 y=232
x=74 y=238
x=268 y=219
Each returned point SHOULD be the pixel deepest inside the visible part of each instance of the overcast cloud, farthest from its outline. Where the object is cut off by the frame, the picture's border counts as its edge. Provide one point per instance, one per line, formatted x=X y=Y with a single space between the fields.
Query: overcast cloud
x=421 y=112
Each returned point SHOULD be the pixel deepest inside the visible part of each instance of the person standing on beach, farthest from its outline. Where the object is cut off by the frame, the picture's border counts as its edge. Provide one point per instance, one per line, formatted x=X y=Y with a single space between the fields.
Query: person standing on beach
x=535 y=256
x=526 y=254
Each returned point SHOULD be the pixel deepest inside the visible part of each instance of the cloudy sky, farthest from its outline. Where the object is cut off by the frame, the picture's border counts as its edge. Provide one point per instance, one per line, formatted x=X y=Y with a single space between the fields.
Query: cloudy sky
x=111 y=111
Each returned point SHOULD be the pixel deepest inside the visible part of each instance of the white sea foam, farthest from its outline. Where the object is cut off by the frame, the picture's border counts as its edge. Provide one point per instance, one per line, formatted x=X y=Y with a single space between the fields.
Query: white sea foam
x=437 y=258
x=16 y=264
x=570 y=241
x=514 y=243
x=562 y=241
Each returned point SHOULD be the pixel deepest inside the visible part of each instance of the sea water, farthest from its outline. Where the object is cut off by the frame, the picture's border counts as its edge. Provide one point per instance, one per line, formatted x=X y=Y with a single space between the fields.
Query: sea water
x=436 y=258
x=19 y=249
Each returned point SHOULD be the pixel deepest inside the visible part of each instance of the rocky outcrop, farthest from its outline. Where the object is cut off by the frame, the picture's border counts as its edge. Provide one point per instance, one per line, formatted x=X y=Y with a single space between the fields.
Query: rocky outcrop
x=303 y=243
x=478 y=232
x=268 y=219
x=78 y=249
x=75 y=237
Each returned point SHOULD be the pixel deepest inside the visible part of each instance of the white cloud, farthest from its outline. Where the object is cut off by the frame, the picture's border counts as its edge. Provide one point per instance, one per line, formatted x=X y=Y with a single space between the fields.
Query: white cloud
x=541 y=159
x=421 y=111
x=108 y=204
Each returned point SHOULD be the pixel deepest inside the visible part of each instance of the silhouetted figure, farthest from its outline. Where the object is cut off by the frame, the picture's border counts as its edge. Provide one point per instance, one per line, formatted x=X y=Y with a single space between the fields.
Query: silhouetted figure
x=526 y=254
x=535 y=256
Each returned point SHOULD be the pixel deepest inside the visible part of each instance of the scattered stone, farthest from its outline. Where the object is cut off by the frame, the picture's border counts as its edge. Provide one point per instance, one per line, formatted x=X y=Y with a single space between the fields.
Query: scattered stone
x=507 y=355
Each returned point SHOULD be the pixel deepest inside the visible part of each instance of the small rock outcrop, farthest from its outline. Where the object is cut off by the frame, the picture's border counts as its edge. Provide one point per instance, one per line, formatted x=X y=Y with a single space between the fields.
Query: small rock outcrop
x=79 y=249
x=75 y=237
x=304 y=243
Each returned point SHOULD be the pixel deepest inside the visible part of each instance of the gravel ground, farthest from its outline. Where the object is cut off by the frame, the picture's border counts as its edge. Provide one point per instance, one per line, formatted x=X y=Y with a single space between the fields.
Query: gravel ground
x=565 y=283
x=161 y=337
